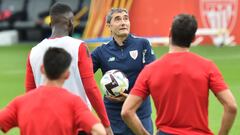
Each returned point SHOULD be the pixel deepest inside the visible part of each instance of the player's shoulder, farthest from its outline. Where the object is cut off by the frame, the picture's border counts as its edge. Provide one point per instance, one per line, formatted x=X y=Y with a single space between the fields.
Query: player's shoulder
x=104 y=45
x=200 y=58
x=39 y=48
x=68 y=96
x=18 y=99
x=61 y=92
x=101 y=49
x=139 y=42
x=74 y=40
x=24 y=97
x=40 y=44
x=138 y=39
x=153 y=64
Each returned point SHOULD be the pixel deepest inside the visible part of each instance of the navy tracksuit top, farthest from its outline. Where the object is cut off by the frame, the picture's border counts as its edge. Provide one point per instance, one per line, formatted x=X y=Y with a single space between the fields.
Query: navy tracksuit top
x=130 y=59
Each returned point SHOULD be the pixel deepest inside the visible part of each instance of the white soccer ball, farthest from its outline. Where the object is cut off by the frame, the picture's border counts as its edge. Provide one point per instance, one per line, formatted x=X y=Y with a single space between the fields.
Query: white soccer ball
x=114 y=82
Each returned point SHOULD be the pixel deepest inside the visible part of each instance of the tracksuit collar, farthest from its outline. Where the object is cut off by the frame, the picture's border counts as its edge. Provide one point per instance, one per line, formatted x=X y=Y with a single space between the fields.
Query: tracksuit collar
x=125 y=42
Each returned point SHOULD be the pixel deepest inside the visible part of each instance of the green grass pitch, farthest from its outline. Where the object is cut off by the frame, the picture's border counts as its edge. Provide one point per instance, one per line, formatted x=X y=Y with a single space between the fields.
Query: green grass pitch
x=12 y=71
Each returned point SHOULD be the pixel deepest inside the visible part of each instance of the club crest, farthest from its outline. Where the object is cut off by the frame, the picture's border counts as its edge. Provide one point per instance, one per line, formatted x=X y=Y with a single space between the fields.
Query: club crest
x=219 y=14
x=134 y=54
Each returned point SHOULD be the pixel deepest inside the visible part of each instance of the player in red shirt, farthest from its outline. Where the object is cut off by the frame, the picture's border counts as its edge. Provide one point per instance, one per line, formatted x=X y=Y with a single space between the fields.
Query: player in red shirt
x=179 y=84
x=81 y=81
x=50 y=109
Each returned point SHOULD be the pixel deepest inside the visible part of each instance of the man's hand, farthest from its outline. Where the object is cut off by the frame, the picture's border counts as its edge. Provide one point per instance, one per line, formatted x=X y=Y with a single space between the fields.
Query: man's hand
x=109 y=130
x=121 y=98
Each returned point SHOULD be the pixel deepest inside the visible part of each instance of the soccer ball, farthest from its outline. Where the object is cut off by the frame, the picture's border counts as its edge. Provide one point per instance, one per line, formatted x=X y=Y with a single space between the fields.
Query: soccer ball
x=114 y=82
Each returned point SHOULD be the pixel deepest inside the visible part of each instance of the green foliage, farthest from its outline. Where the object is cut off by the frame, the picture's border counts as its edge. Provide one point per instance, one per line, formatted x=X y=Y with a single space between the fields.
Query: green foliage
x=12 y=75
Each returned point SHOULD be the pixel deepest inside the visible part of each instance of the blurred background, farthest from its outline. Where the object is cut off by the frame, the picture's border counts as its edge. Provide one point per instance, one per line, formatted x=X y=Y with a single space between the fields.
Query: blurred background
x=24 y=23
x=28 y=20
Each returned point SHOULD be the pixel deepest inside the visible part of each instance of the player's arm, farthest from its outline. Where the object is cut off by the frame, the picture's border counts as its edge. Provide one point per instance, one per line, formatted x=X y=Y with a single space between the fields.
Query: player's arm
x=8 y=117
x=137 y=95
x=129 y=115
x=90 y=85
x=98 y=129
x=85 y=120
x=29 y=78
x=230 y=110
x=226 y=98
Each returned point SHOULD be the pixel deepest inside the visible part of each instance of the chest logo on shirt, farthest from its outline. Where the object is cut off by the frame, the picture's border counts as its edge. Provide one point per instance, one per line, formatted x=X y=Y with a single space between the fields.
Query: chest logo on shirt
x=111 y=59
x=133 y=54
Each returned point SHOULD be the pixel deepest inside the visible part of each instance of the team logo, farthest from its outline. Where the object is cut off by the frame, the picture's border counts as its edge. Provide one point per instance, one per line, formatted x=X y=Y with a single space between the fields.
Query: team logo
x=220 y=15
x=134 y=54
x=111 y=59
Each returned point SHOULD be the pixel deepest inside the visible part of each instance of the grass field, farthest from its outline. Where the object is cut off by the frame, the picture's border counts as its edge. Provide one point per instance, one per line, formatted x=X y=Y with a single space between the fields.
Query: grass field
x=12 y=71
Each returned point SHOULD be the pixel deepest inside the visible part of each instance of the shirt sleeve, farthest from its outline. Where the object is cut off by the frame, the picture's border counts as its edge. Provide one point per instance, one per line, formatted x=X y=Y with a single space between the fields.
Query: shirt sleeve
x=84 y=119
x=140 y=87
x=95 y=60
x=216 y=80
x=149 y=55
x=90 y=85
x=84 y=61
x=29 y=78
x=8 y=117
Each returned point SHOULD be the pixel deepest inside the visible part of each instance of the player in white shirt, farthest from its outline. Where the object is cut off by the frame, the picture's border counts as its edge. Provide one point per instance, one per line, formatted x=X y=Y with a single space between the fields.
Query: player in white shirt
x=81 y=81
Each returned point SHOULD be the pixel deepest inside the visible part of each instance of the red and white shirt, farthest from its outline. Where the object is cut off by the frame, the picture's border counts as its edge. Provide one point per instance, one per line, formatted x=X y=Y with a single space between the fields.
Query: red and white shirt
x=81 y=81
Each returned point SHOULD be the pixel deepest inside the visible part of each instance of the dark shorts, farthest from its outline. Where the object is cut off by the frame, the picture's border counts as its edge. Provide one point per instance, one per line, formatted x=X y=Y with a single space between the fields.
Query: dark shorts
x=82 y=133
x=162 y=133
x=120 y=128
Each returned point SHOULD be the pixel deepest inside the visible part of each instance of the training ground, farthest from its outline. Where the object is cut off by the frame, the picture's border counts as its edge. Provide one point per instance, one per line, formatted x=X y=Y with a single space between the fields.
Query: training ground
x=12 y=71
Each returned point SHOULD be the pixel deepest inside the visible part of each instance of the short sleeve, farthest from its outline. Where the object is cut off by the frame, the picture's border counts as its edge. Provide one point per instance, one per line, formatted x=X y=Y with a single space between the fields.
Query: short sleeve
x=140 y=87
x=84 y=119
x=8 y=117
x=216 y=80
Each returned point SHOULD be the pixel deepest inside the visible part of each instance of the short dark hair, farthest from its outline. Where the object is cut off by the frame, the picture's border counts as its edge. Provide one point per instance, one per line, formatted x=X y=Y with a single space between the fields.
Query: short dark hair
x=183 y=30
x=56 y=61
x=59 y=8
x=57 y=12
x=112 y=11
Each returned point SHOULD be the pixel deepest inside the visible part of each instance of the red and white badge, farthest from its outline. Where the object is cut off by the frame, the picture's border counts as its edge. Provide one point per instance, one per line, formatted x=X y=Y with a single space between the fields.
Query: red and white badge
x=219 y=14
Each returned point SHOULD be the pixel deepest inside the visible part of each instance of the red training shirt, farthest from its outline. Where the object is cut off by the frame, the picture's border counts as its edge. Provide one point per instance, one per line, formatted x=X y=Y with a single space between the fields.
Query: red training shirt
x=47 y=111
x=179 y=84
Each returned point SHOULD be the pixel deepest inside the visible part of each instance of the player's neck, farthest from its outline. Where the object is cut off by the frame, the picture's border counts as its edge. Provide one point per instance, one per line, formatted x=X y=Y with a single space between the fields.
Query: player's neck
x=58 y=32
x=120 y=40
x=55 y=83
x=176 y=49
